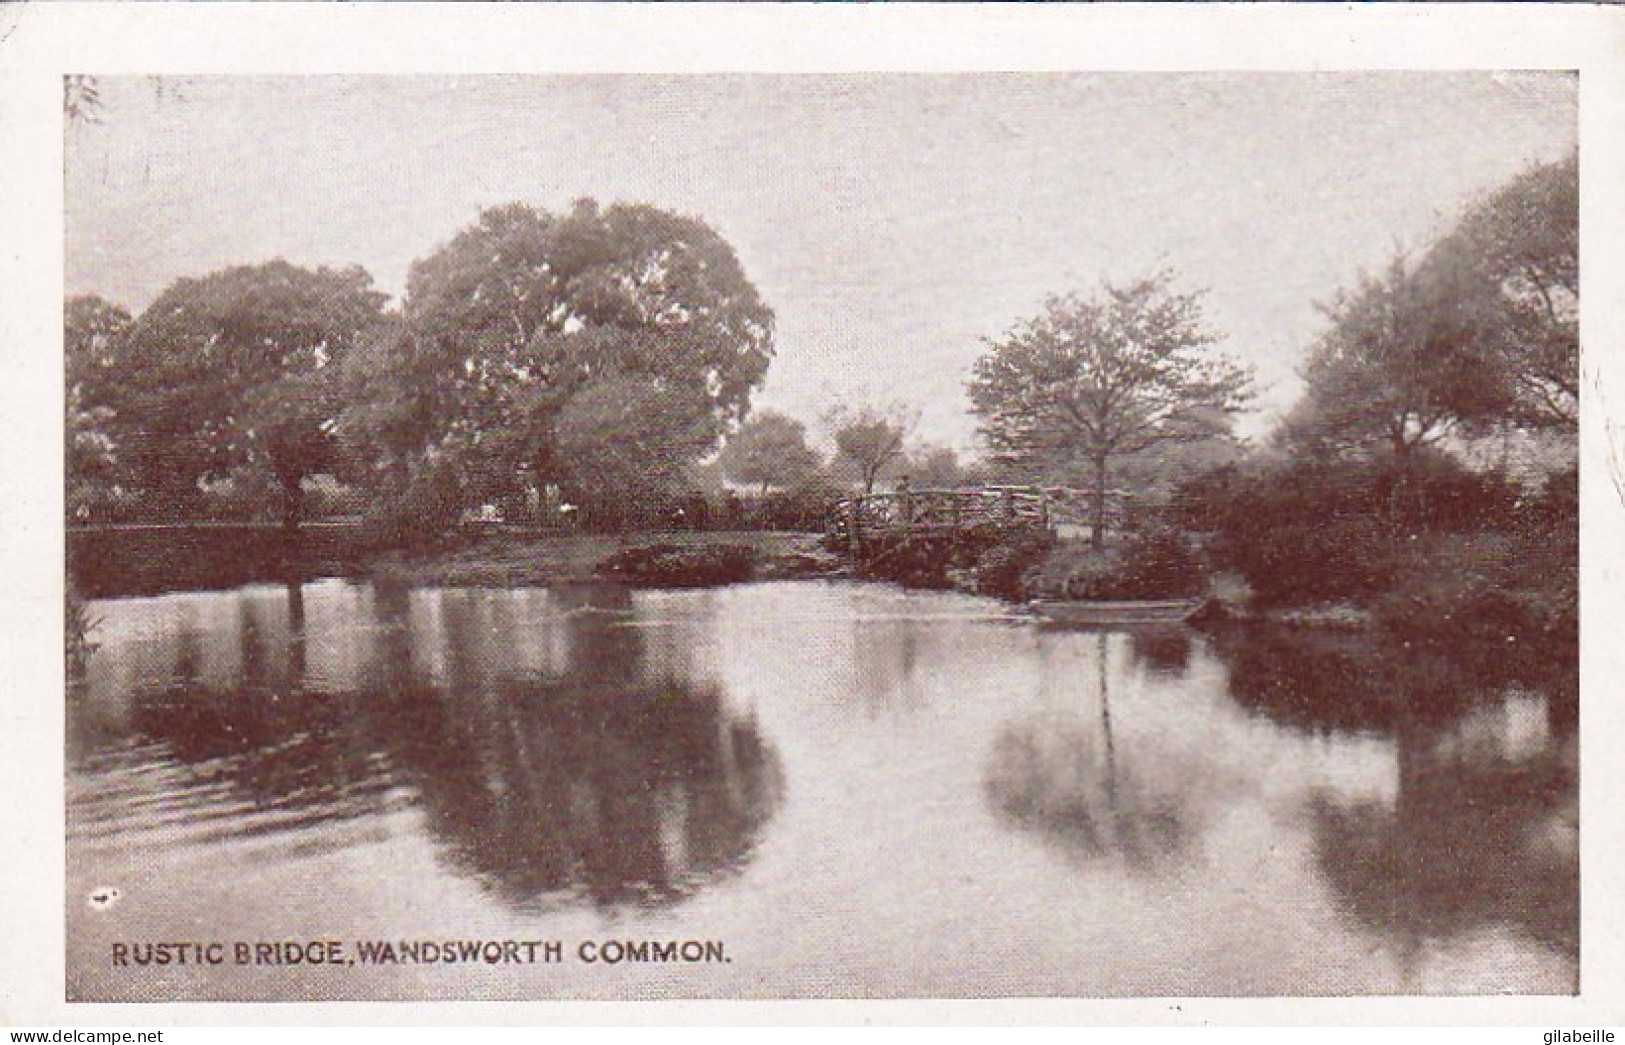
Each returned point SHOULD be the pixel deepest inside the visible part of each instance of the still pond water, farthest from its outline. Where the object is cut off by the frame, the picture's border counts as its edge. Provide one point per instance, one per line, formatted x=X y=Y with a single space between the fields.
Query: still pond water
x=851 y=790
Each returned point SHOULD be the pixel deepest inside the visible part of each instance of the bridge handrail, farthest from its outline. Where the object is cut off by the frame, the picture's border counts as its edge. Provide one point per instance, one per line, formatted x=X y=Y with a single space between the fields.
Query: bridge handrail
x=929 y=509
x=1026 y=493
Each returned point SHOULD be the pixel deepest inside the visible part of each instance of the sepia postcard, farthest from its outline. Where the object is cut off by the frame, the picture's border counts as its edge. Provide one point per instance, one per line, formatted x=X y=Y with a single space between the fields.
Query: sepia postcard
x=1100 y=515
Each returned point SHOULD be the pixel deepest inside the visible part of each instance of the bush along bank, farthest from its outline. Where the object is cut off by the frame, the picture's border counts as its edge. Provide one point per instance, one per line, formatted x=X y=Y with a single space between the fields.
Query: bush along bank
x=1022 y=565
x=992 y=561
x=1450 y=555
x=1153 y=562
x=667 y=560
x=671 y=566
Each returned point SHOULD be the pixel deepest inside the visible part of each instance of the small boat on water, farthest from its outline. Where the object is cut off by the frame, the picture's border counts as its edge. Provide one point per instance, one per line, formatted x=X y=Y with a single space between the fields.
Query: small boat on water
x=1172 y=611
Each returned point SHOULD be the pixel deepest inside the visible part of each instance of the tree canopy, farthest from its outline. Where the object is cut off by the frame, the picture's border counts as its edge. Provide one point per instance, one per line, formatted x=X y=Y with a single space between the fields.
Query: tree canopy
x=1518 y=250
x=1400 y=364
x=233 y=370
x=91 y=326
x=770 y=448
x=871 y=437
x=1099 y=377
x=1482 y=331
x=933 y=465
x=524 y=327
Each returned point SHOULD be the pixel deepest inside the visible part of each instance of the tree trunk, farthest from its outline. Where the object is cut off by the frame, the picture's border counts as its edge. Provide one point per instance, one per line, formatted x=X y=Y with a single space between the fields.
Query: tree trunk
x=297 y=654
x=1400 y=489
x=293 y=502
x=1097 y=539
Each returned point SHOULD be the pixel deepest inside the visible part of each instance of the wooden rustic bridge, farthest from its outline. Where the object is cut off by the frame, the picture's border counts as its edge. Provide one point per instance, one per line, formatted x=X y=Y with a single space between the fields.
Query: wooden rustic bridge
x=882 y=521
x=876 y=525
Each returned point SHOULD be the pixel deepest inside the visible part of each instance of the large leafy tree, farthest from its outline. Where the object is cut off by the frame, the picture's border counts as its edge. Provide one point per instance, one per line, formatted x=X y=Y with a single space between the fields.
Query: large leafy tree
x=1094 y=379
x=1400 y=365
x=770 y=448
x=519 y=331
x=629 y=443
x=235 y=371
x=1517 y=256
x=1404 y=363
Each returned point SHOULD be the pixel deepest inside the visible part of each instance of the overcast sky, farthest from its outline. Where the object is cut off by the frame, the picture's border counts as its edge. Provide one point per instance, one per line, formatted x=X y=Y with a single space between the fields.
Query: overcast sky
x=891 y=221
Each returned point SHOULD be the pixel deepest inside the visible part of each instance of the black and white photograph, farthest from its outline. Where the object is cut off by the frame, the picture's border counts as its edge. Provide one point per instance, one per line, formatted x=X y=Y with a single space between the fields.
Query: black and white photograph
x=837 y=535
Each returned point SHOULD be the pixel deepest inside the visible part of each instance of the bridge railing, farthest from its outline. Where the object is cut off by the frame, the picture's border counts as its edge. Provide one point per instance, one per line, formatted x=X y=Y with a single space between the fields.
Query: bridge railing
x=925 y=511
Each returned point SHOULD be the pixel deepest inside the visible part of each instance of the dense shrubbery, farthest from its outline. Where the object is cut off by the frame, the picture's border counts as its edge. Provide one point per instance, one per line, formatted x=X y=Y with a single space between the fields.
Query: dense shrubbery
x=1304 y=561
x=1307 y=531
x=799 y=510
x=1154 y=562
x=1298 y=535
x=429 y=510
x=1004 y=569
x=244 y=498
x=803 y=509
x=1519 y=583
x=1557 y=507
x=1447 y=554
x=995 y=561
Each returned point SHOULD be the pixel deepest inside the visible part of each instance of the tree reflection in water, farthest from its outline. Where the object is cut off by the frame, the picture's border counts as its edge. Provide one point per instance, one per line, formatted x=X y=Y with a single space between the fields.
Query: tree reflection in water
x=1482 y=832
x=253 y=754
x=1162 y=650
x=1324 y=681
x=1465 y=847
x=627 y=788
x=1061 y=773
x=595 y=779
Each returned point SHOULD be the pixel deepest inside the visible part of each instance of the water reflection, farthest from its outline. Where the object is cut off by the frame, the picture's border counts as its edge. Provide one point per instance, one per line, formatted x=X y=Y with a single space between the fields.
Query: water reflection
x=591 y=775
x=846 y=779
x=1166 y=651
x=629 y=787
x=1059 y=771
x=1481 y=832
x=888 y=662
x=1324 y=682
